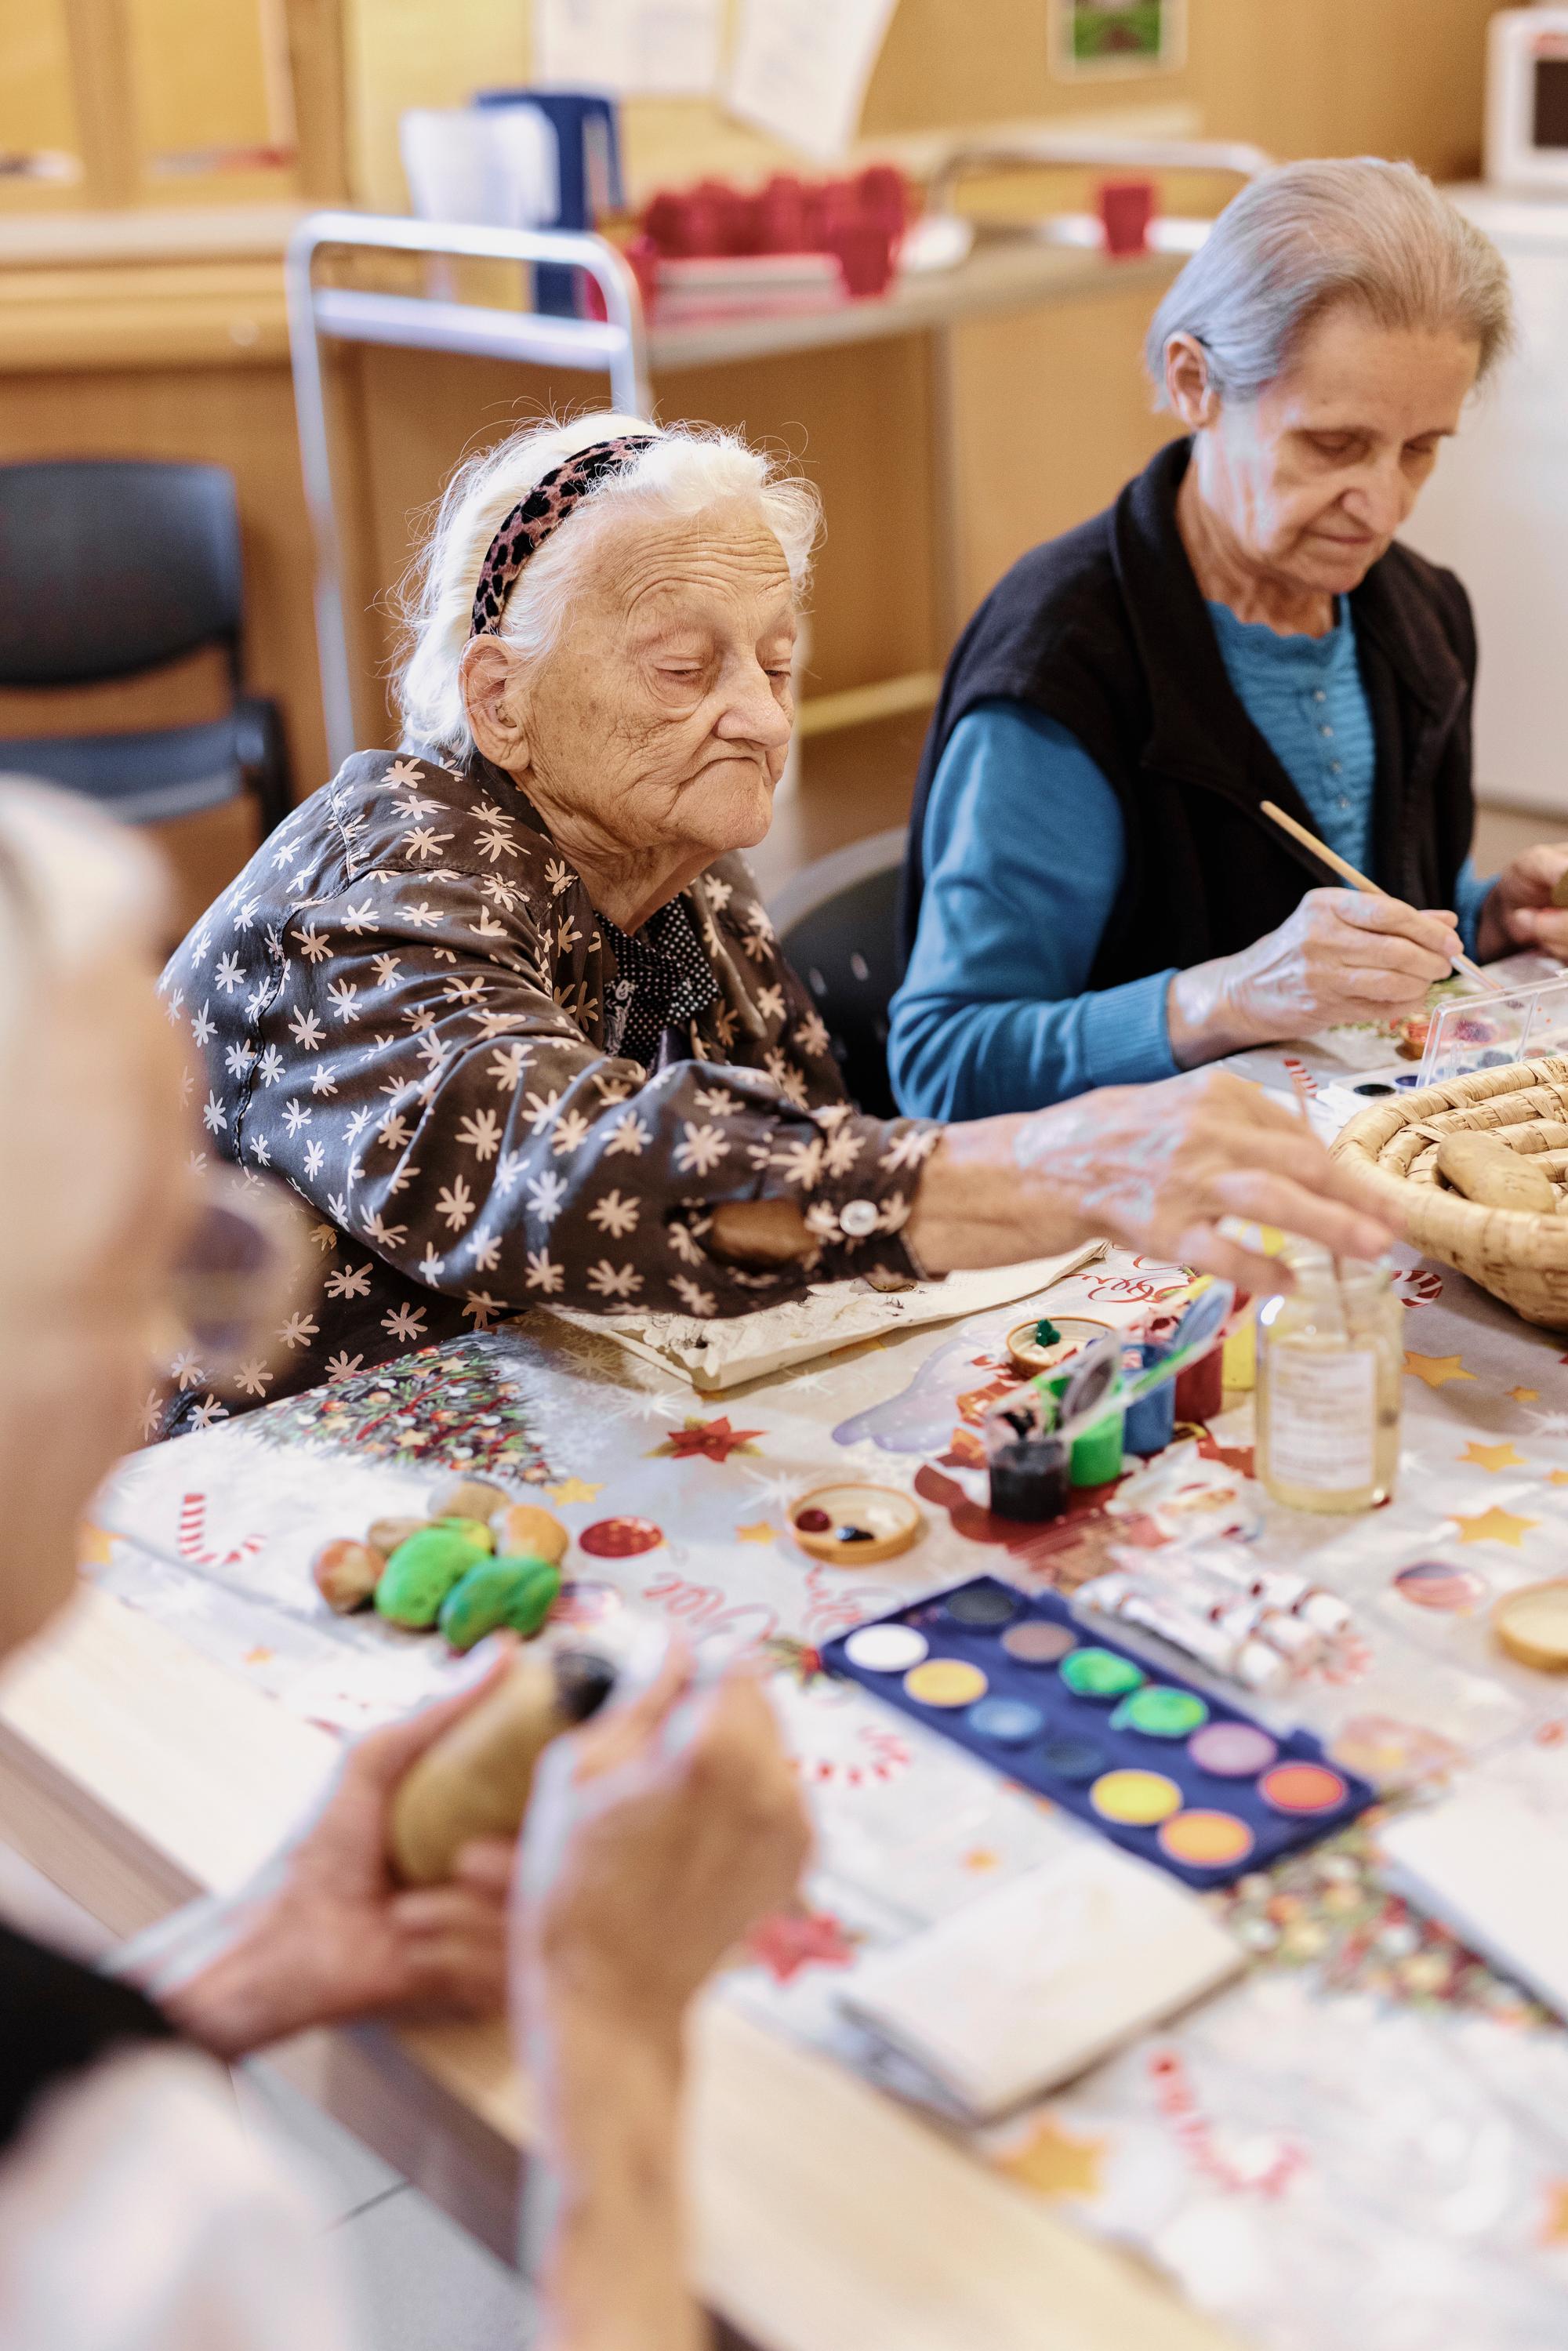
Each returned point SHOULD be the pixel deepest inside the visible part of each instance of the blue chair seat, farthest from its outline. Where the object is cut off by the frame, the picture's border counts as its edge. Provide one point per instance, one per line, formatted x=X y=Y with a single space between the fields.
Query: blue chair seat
x=140 y=779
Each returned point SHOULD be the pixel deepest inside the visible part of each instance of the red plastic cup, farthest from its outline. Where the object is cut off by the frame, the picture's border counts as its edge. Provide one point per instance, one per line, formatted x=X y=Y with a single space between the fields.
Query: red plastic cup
x=781 y=216
x=865 y=254
x=883 y=196
x=1126 y=208
x=1200 y=1389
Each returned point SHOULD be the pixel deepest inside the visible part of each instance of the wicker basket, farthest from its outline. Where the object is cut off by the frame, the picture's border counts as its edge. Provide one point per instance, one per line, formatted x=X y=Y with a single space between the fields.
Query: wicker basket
x=1520 y=1258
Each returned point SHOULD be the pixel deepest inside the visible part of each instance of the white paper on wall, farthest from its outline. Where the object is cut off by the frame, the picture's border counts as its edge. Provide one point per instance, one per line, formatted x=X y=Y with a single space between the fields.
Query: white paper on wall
x=628 y=48
x=802 y=68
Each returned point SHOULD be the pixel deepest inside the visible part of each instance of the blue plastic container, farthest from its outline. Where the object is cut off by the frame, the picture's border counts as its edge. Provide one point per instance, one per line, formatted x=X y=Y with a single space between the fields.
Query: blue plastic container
x=588 y=136
x=1151 y=1422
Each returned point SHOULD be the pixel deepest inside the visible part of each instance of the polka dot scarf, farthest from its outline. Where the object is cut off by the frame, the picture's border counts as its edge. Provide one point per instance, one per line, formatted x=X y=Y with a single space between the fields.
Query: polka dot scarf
x=663 y=980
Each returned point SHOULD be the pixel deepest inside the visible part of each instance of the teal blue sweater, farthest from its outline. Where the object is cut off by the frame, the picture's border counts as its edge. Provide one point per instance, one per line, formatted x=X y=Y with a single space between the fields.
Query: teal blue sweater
x=1025 y=853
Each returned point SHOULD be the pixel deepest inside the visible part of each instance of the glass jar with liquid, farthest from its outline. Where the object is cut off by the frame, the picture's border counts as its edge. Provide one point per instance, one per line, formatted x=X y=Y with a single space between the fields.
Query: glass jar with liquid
x=1331 y=1368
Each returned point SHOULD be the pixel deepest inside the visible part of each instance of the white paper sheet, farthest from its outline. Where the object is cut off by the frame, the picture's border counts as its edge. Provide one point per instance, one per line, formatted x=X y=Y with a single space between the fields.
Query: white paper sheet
x=630 y=48
x=1491 y=1862
x=1027 y=1986
x=802 y=68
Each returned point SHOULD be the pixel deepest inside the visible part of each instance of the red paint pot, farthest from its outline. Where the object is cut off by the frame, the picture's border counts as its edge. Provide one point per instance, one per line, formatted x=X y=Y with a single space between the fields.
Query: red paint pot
x=1200 y=1389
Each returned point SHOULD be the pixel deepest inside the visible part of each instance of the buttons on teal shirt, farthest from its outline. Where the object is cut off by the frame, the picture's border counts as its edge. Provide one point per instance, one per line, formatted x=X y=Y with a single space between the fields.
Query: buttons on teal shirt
x=1305 y=697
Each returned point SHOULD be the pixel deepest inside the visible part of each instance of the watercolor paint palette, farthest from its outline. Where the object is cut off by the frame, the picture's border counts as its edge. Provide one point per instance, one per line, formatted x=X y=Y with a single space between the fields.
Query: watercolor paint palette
x=1162 y=1769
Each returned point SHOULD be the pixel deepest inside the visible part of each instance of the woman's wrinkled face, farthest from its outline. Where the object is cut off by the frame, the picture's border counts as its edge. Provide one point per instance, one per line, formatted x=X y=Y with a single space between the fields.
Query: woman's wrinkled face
x=661 y=718
x=1311 y=481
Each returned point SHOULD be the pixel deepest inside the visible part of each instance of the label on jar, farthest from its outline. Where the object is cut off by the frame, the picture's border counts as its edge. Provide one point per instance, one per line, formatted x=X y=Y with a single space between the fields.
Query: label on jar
x=1323 y=1418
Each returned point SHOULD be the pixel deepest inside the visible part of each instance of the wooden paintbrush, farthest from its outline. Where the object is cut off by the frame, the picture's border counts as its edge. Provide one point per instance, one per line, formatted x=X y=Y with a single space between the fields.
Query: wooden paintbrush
x=1347 y=872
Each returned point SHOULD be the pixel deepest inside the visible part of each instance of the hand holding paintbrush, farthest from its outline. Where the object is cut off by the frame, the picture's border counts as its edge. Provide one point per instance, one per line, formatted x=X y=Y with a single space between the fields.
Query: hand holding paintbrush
x=1347 y=872
x=1345 y=957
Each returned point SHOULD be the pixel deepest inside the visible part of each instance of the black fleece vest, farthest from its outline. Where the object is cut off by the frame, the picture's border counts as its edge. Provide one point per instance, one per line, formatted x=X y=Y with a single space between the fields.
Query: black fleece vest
x=58 y=2019
x=1105 y=630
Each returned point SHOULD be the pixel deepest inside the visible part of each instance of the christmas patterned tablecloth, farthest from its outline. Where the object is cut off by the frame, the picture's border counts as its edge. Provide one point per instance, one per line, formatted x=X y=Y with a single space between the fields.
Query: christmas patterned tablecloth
x=1366 y=2139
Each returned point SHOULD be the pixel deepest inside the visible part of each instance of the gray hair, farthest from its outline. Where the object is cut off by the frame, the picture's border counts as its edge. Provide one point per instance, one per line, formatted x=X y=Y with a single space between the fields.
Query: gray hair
x=689 y=470
x=1307 y=237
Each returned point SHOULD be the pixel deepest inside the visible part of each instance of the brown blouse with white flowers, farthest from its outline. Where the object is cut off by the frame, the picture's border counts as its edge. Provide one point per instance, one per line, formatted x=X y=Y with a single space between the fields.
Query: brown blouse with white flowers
x=409 y=1008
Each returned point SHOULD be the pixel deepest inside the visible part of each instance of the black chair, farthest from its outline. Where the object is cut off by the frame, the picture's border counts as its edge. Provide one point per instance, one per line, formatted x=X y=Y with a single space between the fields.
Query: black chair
x=838 y=923
x=111 y=568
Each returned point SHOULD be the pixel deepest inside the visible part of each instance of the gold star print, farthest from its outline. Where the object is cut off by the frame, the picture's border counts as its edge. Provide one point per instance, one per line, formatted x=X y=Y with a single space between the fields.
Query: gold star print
x=1054 y=2163
x=1554 y=2221
x=1494 y=1526
x=1557 y=1477
x=758 y=1531
x=1436 y=1369
x=1525 y=1396
x=571 y=1489
x=1492 y=1456
x=95 y=1545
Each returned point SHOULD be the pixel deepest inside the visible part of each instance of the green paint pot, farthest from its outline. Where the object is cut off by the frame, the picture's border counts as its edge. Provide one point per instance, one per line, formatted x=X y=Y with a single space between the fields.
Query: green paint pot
x=1096 y=1455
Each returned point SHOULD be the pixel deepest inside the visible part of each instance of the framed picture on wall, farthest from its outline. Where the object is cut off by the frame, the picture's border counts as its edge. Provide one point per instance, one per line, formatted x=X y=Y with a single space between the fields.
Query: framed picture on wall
x=1117 y=36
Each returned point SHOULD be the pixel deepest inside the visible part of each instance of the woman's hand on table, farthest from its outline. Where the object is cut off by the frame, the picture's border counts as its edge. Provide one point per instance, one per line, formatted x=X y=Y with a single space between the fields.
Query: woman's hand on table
x=326 y=1933
x=1159 y=1169
x=1519 y=912
x=1342 y=956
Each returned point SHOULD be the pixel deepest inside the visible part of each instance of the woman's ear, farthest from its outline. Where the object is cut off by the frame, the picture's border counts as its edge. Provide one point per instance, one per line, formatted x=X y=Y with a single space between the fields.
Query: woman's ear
x=1188 y=385
x=497 y=706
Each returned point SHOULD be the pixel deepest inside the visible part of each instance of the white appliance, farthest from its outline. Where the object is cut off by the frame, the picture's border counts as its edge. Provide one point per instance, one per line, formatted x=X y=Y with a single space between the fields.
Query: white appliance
x=1527 y=100
x=1495 y=508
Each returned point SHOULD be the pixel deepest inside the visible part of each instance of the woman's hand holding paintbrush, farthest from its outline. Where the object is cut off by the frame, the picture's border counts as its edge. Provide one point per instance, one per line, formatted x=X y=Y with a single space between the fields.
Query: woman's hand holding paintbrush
x=1342 y=956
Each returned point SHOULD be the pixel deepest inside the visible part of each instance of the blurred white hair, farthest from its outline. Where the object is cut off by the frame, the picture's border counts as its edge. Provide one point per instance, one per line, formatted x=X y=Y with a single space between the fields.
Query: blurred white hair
x=1309 y=236
x=689 y=470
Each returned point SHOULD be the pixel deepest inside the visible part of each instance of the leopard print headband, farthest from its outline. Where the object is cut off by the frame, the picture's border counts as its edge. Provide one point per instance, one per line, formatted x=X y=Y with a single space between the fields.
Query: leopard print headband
x=533 y=518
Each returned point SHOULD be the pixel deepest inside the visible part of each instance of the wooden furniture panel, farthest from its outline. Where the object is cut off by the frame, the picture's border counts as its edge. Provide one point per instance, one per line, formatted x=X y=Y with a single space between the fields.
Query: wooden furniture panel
x=1054 y=414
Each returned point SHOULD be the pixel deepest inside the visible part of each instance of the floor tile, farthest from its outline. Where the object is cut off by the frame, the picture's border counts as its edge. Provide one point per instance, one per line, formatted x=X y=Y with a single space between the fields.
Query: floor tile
x=344 y=2174
x=425 y=2285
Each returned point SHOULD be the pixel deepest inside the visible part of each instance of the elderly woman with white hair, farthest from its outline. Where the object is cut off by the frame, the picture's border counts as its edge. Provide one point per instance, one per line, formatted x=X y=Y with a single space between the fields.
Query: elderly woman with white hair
x=1093 y=894
x=505 y=1005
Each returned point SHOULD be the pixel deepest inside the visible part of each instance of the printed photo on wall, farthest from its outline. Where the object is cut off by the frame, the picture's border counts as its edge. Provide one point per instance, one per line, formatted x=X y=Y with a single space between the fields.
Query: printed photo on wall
x=1117 y=36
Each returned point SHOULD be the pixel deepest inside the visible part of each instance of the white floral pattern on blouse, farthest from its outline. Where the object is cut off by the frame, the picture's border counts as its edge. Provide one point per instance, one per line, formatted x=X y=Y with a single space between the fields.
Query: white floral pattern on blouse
x=399 y=1003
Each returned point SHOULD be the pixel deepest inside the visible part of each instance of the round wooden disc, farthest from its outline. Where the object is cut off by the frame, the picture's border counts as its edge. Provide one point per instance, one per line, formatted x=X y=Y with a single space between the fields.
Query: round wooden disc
x=1026 y=1354
x=1532 y=1624
x=890 y=1520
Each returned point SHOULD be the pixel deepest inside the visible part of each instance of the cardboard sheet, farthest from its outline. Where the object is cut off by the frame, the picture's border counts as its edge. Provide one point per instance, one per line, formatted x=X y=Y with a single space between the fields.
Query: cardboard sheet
x=717 y=1355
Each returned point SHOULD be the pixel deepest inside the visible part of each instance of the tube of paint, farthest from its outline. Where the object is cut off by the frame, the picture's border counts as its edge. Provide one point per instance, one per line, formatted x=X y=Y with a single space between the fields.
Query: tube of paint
x=1276 y=1587
x=1196 y=1635
x=1295 y=1642
x=1230 y=1642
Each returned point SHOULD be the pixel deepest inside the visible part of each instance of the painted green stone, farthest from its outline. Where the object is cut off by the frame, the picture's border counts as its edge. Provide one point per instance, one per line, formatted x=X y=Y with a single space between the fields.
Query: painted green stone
x=1160 y=1712
x=422 y=1571
x=477 y=1533
x=518 y=1593
x=1099 y=1673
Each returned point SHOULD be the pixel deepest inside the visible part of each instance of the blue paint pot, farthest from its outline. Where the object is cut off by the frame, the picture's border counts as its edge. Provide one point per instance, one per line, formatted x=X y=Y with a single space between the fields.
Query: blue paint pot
x=1151 y=1422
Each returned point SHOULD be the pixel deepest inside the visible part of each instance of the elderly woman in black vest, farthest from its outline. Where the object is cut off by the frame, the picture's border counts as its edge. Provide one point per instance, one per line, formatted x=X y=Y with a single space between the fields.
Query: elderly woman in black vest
x=1094 y=896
